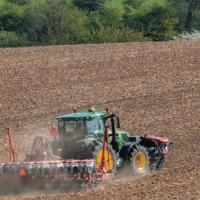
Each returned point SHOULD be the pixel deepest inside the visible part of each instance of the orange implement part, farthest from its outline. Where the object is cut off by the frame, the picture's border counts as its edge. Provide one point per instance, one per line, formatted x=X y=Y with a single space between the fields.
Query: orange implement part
x=12 y=152
x=22 y=172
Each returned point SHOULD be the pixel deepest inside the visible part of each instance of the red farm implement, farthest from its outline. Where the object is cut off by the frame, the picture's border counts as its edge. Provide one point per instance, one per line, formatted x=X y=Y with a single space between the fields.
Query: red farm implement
x=85 y=148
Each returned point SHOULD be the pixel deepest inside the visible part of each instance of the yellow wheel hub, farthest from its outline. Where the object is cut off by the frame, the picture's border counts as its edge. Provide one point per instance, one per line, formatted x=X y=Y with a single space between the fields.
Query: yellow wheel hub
x=108 y=159
x=140 y=161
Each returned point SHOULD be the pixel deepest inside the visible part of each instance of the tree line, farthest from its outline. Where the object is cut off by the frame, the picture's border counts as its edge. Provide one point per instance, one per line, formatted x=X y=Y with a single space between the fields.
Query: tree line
x=50 y=22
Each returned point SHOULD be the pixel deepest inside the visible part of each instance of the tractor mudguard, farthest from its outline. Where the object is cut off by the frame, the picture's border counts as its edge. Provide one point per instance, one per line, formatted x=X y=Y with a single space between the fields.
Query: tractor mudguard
x=159 y=143
x=127 y=149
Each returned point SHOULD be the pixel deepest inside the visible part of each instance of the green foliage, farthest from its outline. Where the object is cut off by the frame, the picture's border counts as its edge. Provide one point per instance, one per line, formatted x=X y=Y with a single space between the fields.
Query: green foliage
x=111 y=16
x=142 y=6
x=112 y=35
x=33 y=21
x=11 y=16
x=2 y=2
x=133 y=3
x=96 y=21
x=159 y=23
x=55 y=22
x=89 y=5
x=20 y=2
x=11 y=39
x=196 y=20
x=180 y=9
x=187 y=11
x=118 y=3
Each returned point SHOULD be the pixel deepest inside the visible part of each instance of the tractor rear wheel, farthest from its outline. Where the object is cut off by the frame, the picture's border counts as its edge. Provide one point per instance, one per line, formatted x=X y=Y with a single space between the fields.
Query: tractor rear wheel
x=139 y=160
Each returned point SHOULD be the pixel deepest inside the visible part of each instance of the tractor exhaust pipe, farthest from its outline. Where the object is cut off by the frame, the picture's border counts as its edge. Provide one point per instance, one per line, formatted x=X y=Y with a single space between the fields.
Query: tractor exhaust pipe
x=113 y=118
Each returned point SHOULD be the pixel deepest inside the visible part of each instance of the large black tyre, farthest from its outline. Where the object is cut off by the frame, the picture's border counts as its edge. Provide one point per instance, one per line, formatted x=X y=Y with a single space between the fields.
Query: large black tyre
x=139 y=161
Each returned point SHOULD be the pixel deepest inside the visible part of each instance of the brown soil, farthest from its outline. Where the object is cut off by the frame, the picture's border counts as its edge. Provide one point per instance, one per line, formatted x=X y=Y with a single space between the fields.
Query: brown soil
x=154 y=87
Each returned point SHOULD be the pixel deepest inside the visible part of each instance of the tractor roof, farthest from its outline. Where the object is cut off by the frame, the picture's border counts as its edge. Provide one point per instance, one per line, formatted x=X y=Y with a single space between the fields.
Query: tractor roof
x=86 y=115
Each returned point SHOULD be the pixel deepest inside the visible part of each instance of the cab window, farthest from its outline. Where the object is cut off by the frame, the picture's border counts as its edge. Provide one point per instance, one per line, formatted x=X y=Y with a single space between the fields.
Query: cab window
x=69 y=127
x=95 y=126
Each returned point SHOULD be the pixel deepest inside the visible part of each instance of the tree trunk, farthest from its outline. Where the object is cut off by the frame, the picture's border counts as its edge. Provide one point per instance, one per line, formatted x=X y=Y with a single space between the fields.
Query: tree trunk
x=188 y=22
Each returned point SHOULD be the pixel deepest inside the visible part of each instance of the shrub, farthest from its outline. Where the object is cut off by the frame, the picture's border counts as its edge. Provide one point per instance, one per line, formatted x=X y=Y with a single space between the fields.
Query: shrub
x=55 y=22
x=109 y=34
x=11 y=17
x=20 y=2
x=11 y=39
x=111 y=16
x=159 y=23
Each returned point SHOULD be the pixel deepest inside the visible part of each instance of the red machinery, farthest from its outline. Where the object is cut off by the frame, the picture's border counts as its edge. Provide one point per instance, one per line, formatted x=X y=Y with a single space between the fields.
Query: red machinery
x=83 y=172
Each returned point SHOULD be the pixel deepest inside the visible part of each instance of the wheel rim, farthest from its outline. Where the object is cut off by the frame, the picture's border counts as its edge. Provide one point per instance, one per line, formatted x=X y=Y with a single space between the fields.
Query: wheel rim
x=140 y=161
x=108 y=159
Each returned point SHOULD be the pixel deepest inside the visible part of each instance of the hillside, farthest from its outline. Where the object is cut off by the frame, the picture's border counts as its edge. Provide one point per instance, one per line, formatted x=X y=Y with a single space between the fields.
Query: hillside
x=154 y=87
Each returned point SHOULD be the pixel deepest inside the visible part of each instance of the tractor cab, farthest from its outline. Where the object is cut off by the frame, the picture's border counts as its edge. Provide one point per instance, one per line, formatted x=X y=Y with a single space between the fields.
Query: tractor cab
x=87 y=126
x=81 y=123
x=81 y=132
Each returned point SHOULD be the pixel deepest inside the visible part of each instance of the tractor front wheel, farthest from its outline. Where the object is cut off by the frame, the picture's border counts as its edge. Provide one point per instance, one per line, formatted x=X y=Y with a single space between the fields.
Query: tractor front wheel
x=110 y=157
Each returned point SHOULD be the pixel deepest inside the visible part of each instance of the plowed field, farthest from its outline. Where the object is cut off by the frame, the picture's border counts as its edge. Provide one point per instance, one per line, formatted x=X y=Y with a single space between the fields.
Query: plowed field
x=154 y=87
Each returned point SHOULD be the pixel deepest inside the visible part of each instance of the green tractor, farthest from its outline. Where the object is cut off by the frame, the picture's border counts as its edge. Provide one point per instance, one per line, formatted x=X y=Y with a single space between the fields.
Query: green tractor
x=83 y=135
x=86 y=148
